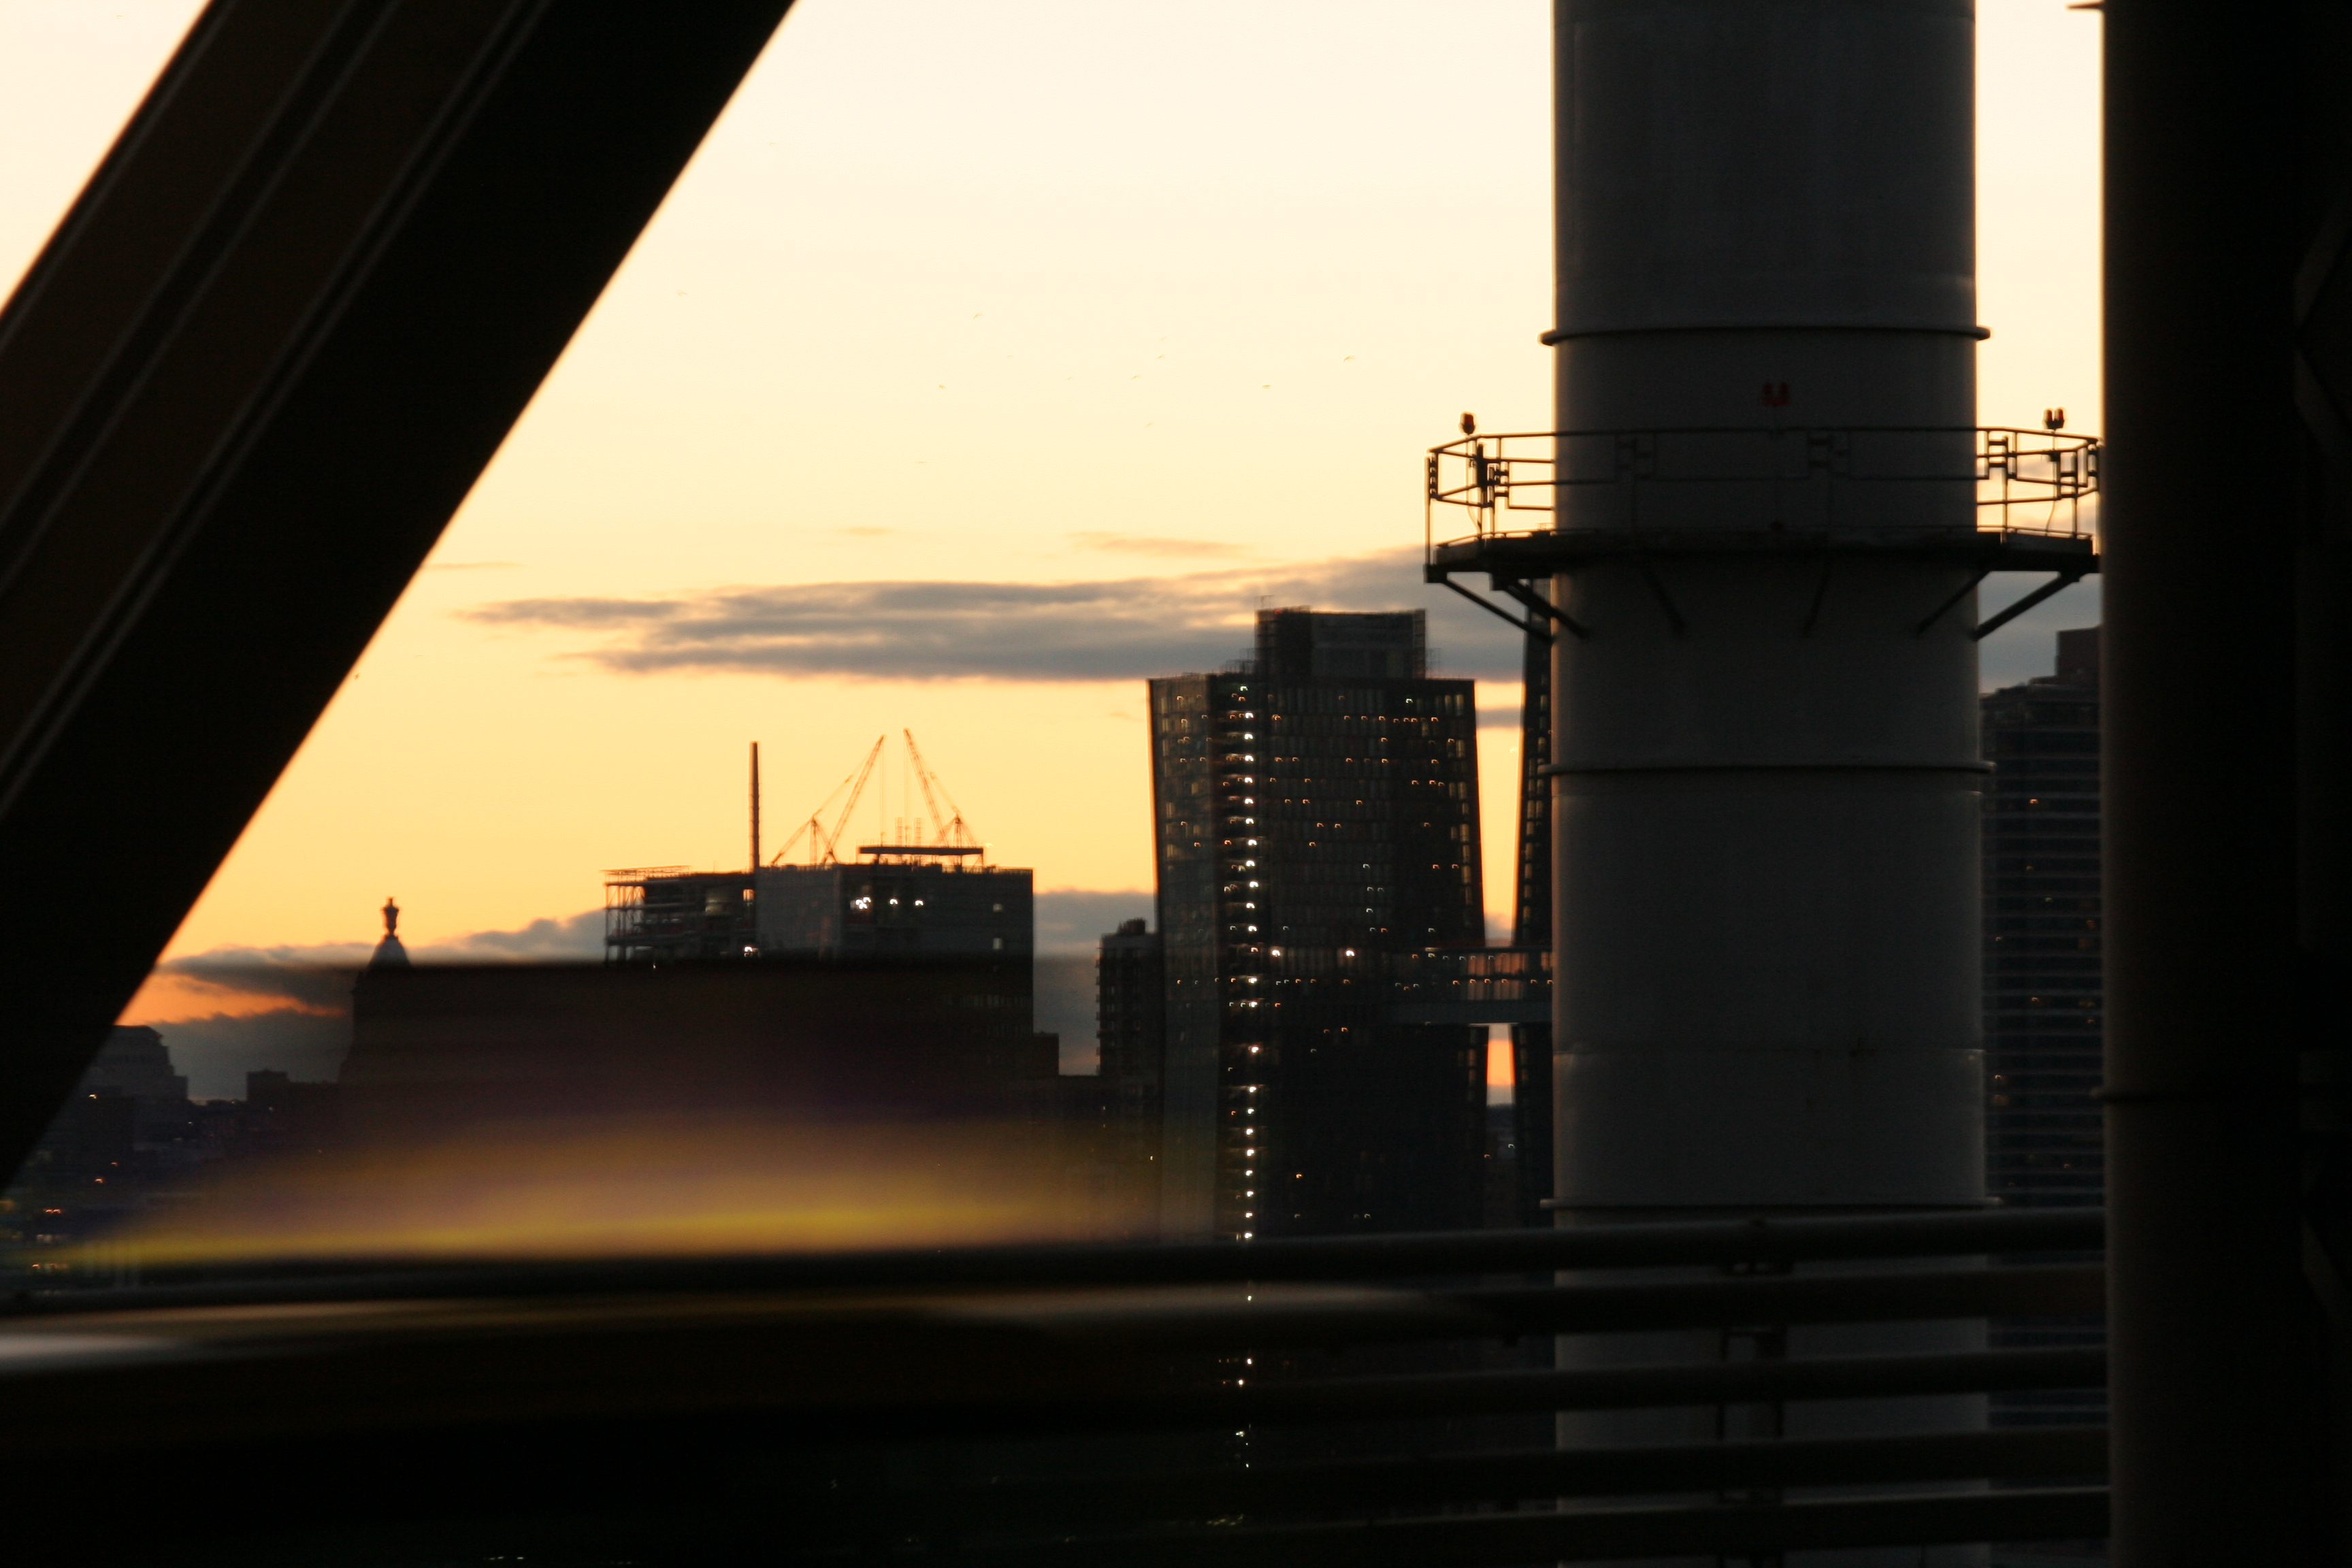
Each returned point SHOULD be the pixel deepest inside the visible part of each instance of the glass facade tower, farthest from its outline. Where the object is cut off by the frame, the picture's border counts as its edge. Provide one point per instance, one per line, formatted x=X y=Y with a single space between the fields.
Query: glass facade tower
x=1315 y=812
x=2043 y=912
x=2045 y=1137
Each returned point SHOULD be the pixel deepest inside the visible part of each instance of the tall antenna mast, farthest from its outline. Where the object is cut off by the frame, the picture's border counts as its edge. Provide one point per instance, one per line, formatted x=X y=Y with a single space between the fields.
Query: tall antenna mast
x=755 y=807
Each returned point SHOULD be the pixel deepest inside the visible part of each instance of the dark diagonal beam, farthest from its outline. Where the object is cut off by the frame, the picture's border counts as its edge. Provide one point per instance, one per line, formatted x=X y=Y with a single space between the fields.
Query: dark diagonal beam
x=241 y=393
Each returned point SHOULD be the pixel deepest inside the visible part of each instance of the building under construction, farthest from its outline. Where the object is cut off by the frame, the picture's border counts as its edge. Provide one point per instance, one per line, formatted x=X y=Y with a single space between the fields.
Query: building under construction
x=929 y=892
x=896 y=987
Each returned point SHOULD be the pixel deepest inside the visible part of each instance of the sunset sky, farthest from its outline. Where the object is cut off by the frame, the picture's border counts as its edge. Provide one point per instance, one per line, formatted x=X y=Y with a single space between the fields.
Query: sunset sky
x=987 y=359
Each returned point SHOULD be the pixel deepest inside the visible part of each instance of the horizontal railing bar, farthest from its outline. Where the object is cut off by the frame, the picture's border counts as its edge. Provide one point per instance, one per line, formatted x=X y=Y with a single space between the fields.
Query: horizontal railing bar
x=2073 y=440
x=1416 y=1256
x=1832 y=1299
x=2013 y=547
x=1278 y=1318
x=1587 y=1535
x=1644 y=1387
x=2034 y=1453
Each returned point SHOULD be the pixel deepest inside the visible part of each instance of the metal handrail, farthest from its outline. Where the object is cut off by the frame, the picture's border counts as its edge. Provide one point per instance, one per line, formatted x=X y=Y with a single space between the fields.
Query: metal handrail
x=1295 y=1260
x=696 y=1367
x=1369 y=1485
x=2013 y=469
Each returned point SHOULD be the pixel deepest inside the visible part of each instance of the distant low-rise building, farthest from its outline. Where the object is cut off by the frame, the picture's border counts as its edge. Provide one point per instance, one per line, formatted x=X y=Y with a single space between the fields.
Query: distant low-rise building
x=127 y=1125
x=435 y=1047
x=134 y=1065
x=895 y=900
x=1131 y=1030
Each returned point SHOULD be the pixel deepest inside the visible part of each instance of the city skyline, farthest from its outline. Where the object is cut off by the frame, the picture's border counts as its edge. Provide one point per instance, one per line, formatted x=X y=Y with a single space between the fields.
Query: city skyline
x=963 y=386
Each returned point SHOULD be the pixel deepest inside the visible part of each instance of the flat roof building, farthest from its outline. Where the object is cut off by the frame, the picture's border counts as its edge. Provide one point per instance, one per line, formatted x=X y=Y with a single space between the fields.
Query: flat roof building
x=898 y=899
x=874 y=1040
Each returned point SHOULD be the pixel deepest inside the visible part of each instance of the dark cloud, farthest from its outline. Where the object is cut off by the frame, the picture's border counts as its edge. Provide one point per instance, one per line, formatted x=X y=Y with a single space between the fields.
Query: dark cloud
x=576 y=936
x=318 y=976
x=1118 y=628
x=1110 y=629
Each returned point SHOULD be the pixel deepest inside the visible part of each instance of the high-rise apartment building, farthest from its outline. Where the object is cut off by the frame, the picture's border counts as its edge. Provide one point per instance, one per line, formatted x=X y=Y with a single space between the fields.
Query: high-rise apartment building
x=2043 y=1132
x=2042 y=913
x=1315 y=812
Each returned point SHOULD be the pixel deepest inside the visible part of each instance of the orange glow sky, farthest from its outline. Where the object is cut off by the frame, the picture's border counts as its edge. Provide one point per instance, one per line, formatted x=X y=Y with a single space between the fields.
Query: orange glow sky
x=1048 y=290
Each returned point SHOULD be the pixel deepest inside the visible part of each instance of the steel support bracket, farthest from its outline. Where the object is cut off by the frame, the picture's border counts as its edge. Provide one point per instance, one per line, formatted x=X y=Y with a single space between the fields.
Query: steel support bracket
x=1962 y=591
x=2056 y=586
x=1540 y=611
x=1540 y=608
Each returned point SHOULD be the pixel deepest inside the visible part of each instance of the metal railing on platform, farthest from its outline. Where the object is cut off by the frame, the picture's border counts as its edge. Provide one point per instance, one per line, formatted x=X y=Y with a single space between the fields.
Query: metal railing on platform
x=2028 y=481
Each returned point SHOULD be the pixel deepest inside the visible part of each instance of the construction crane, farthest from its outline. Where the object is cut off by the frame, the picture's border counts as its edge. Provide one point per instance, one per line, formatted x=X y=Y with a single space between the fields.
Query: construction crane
x=952 y=829
x=820 y=840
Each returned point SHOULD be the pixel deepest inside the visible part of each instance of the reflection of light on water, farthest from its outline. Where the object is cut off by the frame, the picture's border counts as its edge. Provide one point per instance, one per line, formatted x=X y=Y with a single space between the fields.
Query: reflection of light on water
x=676 y=1186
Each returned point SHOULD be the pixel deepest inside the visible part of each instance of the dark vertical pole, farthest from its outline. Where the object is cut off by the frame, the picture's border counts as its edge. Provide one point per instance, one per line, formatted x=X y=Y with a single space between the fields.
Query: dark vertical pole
x=2322 y=390
x=2212 y=1329
x=755 y=808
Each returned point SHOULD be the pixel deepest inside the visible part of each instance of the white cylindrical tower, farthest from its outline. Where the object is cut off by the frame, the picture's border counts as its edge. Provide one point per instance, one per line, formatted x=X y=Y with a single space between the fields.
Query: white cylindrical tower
x=1766 y=770
x=1764 y=766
